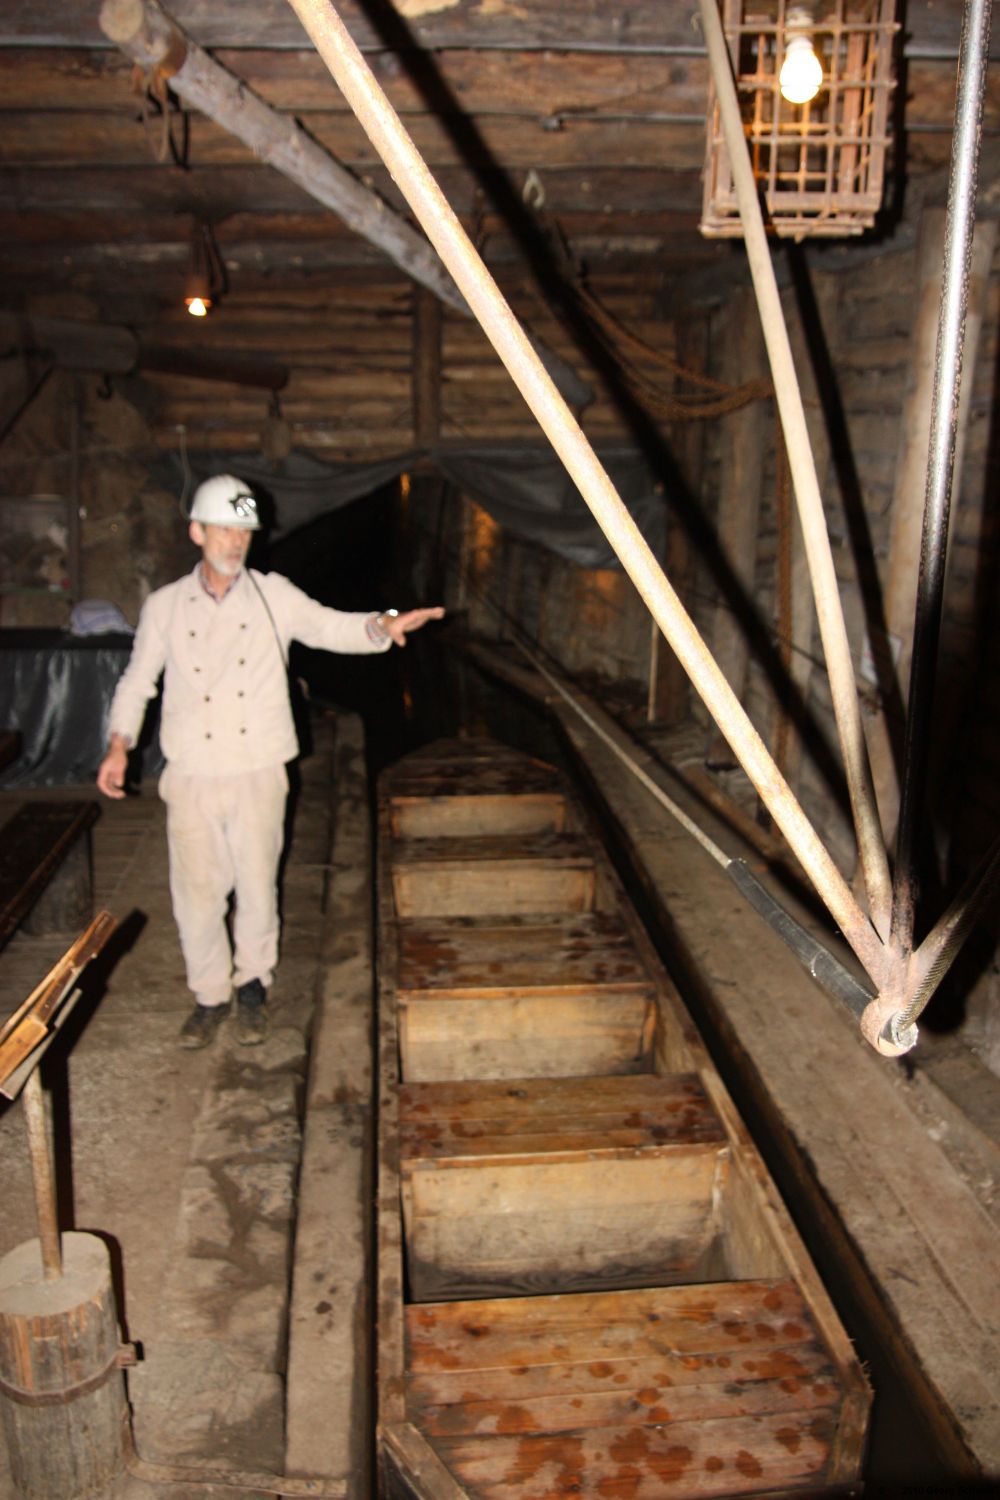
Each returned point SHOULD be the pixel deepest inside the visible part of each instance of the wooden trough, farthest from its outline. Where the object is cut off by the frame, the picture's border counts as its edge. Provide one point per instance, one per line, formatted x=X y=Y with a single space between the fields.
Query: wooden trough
x=588 y=1285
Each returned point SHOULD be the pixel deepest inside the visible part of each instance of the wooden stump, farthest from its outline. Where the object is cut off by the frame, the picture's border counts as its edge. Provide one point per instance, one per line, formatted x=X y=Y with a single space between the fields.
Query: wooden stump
x=62 y=1396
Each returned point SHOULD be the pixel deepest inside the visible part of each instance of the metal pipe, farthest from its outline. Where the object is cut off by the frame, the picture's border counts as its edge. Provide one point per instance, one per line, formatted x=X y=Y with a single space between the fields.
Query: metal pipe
x=384 y=129
x=43 y=1177
x=973 y=59
x=833 y=631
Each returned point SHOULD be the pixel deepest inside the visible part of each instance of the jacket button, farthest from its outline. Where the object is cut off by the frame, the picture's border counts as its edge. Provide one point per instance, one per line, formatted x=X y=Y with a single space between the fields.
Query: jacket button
x=208 y=734
x=242 y=731
x=240 y=693
x=208 y=698
x=191 y=633
x=242 y=661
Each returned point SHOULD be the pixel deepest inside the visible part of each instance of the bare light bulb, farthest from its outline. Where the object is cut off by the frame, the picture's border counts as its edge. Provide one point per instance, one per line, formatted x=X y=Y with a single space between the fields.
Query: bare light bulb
x=801 y=72
x=198 y=306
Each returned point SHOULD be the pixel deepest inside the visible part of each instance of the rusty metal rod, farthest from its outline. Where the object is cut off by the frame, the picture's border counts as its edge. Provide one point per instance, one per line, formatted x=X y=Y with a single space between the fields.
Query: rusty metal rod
x=973 y=58
x=43 y=1177
x=384 y=129
x=829 y=613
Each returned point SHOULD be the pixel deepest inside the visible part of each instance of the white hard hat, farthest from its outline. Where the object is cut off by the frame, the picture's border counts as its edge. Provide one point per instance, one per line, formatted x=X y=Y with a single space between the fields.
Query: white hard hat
x=225 y=501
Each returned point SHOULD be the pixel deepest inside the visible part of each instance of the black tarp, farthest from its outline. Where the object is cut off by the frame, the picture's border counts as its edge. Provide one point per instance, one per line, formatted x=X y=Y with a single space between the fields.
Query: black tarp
x=528 y=492
x=55 y=693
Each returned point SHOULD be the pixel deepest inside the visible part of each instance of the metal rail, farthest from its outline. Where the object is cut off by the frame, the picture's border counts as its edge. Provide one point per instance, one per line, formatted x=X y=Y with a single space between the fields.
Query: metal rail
x=960 y=224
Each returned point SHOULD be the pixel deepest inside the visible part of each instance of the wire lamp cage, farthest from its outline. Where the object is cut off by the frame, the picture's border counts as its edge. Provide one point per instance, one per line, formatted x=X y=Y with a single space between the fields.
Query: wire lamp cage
x=820 y=165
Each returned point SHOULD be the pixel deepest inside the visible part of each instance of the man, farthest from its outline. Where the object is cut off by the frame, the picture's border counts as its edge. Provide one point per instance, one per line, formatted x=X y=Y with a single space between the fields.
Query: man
x=220 y=636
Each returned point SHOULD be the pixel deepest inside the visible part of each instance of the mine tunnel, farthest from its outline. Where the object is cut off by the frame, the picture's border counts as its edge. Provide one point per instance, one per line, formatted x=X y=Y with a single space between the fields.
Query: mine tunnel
x=498 y=750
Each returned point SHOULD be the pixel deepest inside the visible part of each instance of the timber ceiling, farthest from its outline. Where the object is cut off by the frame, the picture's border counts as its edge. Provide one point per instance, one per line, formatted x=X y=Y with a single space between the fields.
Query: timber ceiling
x=581 y=116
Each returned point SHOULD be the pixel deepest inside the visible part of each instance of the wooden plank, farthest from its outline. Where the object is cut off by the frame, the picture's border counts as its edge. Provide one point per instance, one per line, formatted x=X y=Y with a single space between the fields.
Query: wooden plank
x=483 y=955
x=636 y=1402
x=578 y=1096
x=725 y=1317
x=932 y=26
x=52 y=138
x=814 y=1381
x=545 y=83
x=468 y=876
x=722 y=1457
x=506 y=1037
x=454 y=815
x=559 y=1226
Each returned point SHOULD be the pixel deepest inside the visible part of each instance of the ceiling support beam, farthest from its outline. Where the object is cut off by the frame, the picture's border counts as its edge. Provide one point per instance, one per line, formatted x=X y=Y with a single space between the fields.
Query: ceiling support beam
x=147 y=35
x=108 y=349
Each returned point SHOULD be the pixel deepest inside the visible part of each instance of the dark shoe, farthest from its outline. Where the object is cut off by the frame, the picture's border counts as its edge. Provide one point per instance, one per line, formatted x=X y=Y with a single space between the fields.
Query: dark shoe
x=251 y=1013
x=202 y=1024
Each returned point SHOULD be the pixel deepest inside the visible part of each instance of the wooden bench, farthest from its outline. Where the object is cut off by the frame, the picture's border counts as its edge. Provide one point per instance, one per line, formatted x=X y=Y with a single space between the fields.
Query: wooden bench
x=559 y=1184
x=46 y=883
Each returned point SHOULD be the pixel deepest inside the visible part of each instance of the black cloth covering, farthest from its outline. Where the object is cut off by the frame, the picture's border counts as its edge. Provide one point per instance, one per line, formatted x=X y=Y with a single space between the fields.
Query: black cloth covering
x=528 y=492
x=55 y=694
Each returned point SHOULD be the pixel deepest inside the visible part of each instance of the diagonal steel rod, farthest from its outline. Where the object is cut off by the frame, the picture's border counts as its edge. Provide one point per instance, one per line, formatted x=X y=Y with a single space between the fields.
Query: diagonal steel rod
x=384 y=129
x=830 y=615
x=973 y=58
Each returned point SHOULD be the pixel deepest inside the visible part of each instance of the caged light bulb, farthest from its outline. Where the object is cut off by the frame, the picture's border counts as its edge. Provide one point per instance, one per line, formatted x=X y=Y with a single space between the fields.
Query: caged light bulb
x=801 y=72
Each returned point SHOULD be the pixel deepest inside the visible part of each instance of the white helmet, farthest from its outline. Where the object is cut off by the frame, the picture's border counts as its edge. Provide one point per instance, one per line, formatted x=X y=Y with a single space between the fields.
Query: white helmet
x=225 y=501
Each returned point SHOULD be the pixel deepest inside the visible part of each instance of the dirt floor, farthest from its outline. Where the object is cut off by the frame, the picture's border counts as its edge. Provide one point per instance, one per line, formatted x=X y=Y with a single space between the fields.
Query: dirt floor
x=185 y=1163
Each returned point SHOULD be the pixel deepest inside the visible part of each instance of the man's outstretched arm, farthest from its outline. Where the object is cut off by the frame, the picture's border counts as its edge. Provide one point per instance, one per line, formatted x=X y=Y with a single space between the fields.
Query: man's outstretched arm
x=398 y=626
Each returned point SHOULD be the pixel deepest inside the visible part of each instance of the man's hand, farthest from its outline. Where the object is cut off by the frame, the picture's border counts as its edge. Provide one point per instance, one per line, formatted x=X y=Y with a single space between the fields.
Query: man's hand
x=111 y=773
x=398 y=627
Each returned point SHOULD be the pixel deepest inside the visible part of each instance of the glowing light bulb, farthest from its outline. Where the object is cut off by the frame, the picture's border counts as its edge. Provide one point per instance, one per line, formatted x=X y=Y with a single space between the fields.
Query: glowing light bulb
x=198 y=306
x=801 y=72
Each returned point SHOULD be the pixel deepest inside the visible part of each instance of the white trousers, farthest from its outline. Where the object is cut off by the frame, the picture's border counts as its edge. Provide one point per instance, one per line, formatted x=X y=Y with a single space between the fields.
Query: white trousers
x=224 y=834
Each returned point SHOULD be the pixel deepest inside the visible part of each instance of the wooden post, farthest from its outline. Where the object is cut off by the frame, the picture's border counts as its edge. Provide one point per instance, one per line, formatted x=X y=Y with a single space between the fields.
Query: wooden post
x=740 y=473
x=827 y=291
x=426 y=367
x=62 y=1396
x=672 y=688
x=43 y=1176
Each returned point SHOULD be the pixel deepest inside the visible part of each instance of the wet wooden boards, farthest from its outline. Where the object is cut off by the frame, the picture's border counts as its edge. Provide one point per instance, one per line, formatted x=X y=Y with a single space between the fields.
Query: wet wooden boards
x=550 y=1125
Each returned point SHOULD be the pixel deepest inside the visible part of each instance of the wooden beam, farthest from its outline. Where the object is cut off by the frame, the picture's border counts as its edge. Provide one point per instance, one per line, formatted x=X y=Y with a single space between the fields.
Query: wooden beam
x=307 y=148
x=672 y=699
x=148 y=36
x=550 y=86
x=111 y=350
x=932 y=26
x=741 y=468
x=426 y=368
x=219 y=191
